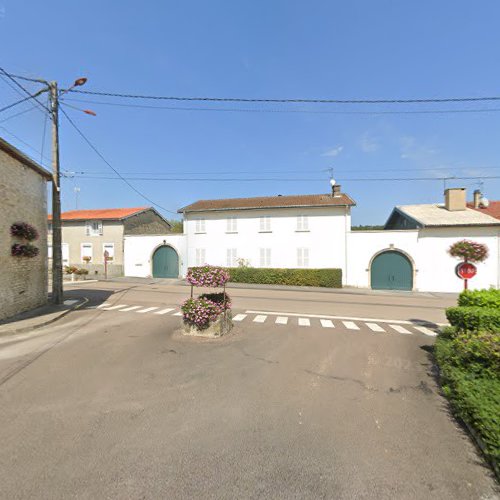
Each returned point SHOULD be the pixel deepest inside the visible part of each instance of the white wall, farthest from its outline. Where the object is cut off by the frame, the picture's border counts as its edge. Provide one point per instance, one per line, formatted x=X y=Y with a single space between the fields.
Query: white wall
x=138 y=253
x=428 y=249
x=325 y=239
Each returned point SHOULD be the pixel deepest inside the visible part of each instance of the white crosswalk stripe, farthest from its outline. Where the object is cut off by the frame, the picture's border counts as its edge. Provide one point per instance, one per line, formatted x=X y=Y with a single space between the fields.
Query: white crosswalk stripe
x=260 y=318
x=304 y=322
x=164 y=311
x=401 y=329
x=281 y=320
x=148 y=309
x=350 y=325
x=425 y=331
x=103 y=305
x=132 y=308
x=119 y=306
x=178 y=314
x=239 y=317
x=374 y=327
x=327 y=323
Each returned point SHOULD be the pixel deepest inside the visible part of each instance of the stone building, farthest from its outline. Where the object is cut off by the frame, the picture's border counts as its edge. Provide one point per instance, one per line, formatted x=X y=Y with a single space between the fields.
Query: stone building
x=23 y=195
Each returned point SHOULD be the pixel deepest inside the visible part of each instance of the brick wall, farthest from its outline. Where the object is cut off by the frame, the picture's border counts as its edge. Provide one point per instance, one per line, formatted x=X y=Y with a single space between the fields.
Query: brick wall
x=23 y=195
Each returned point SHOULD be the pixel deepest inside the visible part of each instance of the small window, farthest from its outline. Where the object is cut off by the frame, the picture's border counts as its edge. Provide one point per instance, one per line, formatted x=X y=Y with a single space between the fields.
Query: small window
x=49 y=227
x=110 y=248
x=302 y=257
x=232 y=225
x=200 y=226
x=86 y=252
x=302 y=223
x=49 y=251
x=232 y=257
x=200 y=257
x=265 y=224
x=265 y=257
x=93 y=228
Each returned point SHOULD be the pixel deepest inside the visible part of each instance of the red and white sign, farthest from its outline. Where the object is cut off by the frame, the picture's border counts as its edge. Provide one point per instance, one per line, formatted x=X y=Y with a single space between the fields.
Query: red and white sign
x=466 y=270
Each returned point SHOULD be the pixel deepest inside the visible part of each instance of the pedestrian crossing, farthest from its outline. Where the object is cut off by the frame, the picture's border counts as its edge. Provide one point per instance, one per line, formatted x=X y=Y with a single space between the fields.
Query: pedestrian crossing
x=352 y=325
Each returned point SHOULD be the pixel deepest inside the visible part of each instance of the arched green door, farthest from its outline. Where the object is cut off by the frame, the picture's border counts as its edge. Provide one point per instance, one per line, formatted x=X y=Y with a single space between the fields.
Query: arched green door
x=165 y=263
x=391 y=270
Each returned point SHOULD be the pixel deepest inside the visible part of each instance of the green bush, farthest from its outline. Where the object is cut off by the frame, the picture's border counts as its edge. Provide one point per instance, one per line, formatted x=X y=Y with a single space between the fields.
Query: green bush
x=330 y=278
x=480 y=298
x=470 y=379
x=474 y=319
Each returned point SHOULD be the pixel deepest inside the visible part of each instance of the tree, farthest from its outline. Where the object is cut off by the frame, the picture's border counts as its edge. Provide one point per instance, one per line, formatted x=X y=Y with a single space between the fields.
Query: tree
x=176 y=226
x=469 y=251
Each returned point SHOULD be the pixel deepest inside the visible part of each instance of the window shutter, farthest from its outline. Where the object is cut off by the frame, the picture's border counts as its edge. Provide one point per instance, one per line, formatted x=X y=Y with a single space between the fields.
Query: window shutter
x=100 y=227
x=87 y=228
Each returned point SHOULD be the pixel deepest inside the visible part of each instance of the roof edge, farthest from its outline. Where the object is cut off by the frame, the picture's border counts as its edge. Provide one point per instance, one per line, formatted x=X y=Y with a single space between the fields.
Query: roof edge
x=24 y=159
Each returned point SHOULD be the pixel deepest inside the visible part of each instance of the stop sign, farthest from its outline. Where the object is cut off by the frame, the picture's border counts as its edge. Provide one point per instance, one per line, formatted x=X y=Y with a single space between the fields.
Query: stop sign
x=466 y=270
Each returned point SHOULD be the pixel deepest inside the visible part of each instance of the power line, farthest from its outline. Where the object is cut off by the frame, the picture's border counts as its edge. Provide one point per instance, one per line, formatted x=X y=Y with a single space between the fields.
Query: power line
x=84 y=137
x=31 y=108
x=290 y=101
x=10 y=77
x=24 y=99
x=23 y=142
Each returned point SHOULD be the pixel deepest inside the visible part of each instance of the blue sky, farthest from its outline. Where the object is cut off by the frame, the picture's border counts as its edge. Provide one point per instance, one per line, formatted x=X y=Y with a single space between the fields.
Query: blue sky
x=262 y=49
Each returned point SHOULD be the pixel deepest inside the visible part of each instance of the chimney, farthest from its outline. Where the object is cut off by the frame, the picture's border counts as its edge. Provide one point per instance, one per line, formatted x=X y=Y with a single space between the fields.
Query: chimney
x=454 y=199
x=477 y=198
x=336 y=190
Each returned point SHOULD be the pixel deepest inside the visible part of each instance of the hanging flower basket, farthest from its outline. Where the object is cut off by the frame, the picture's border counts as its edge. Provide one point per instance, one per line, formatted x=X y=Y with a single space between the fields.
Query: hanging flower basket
x=24 y=231
x=469 y=251
x=27 y=250
x=208 y=276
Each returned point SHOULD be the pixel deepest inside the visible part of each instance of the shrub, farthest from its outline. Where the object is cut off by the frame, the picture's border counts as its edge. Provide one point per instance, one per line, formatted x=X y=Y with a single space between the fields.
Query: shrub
x=70 y=269
x=469 y=250
x=24 y=230
x=474 y=319
x=81 y=272
x=200 y=312
x=27 y=250
x=480 y=298
x=331 y=278
x=210 y=276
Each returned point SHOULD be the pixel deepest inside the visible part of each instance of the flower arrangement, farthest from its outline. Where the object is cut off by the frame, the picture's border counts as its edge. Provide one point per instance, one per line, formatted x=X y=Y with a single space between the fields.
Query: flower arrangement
x=209 y=276
x=87 y=259
x=469 y=251
x=200 y=312
x=82 y=272
x=28 y=250
x=70 y=269
x=24 y=230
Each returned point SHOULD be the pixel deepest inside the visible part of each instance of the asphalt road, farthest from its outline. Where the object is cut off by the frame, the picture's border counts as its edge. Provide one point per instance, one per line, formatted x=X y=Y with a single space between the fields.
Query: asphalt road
x=117 y=404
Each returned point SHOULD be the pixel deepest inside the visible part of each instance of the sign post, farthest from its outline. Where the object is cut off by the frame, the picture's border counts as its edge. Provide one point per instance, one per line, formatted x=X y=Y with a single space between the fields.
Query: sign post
x=466 y=271
x=106 y=257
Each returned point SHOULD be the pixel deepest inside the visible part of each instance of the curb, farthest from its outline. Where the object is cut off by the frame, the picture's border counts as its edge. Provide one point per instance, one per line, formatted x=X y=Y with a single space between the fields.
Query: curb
x=25 y=329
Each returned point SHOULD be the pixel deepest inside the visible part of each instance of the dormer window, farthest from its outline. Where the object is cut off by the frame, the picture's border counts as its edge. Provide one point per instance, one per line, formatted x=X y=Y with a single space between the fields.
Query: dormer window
x=93 y=228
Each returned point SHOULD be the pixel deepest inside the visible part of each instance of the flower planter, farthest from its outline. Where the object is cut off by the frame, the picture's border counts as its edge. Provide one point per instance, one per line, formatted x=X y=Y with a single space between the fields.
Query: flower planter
x=221 y=326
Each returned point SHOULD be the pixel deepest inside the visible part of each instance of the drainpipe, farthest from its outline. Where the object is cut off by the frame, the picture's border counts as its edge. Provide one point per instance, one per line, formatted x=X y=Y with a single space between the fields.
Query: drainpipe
x=345 y=243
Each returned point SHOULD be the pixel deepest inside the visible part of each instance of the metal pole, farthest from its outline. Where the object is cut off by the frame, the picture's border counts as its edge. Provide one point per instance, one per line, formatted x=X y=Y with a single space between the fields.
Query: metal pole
x=57 y=276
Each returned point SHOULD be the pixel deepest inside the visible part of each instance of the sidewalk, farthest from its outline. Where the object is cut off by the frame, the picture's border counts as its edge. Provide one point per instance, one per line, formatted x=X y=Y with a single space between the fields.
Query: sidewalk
x=39 y=317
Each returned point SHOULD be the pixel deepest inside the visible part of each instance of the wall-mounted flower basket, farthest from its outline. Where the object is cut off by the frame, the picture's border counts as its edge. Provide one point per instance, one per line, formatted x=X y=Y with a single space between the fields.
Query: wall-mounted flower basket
x=87 y=259
x=27 y=250
x=24 y=231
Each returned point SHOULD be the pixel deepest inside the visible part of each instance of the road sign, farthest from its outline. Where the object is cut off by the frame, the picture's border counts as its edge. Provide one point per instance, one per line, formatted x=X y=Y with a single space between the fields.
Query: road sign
x=466 y=270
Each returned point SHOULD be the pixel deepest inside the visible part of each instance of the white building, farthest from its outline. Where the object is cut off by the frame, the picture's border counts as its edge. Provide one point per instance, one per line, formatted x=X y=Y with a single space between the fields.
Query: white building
x=314 y=231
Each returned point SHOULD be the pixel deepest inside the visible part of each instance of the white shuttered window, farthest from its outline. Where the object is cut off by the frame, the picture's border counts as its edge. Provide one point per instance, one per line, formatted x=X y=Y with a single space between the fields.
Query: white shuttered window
x=231 y=257
x=302 y=257
x=265 y=257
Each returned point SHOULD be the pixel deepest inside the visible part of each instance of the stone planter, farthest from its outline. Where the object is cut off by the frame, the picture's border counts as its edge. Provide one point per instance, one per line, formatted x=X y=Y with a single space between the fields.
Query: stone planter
x=221 y=326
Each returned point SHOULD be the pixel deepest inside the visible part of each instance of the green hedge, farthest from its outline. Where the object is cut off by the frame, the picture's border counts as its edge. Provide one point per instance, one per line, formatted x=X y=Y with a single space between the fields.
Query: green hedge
x=331 y=278
x=480 y=298
x=474 y=319
x=470 y=376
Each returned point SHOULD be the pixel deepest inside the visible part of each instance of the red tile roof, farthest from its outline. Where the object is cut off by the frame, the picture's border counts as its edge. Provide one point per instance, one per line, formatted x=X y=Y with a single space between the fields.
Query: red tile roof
x=101 y=214
x=305 y=200
x=493 y=209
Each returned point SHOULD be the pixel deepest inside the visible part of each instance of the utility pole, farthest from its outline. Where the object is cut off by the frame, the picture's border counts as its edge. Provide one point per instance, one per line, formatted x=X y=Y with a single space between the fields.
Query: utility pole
x=57 y=274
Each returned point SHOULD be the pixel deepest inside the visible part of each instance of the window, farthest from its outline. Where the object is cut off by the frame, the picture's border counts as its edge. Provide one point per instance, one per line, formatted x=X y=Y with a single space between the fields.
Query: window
x=265 y=224
x=232 y=225
x=302 y=257
x=265 y=257
x=200 y=256
x=232 y=257
x=49 y=227
x=49 y=251
x=93 y=227
x=64 y=250
x=200 y=226
x=302 y=223
x=86 y=252
x=110 y=248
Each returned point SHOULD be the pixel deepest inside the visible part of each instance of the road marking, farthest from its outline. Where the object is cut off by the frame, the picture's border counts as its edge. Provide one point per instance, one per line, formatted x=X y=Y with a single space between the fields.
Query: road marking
x=348 y=318
x=164 y=311
x=401 y=329
x=425 y=331
x=374 y=327
x=177 y=314
x=70 y=302
x=103 y=305
x=327 y=323
x=281 y=320
x=142 y=311
x=119 y=306
x=350 y=325
x=239 y=317
x=260 y=318
x=304 y=322
x=130 y=308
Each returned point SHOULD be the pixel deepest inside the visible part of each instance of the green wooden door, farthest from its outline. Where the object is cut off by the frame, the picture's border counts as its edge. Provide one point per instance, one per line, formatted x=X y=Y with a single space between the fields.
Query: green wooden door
x=165 y=263
x=391 y=270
